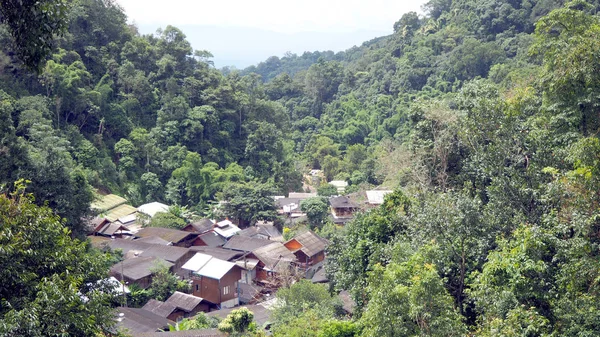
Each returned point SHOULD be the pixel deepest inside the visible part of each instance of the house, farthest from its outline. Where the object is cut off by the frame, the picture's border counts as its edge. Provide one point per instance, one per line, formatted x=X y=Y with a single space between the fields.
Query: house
x=176 y=255
x=112 y=229
x=245 y=244
x=248 y=266
x=266 y=231
x=375 y=197
x=308 y=247
x=342 y=209
x=226 y=228
x=177 y=237
x=273 y=260
x=150 y=209
x=214 y=280
x=200 y=226
x=136 y=321
x=178 y=306
x=138 y=270
x=210 y=239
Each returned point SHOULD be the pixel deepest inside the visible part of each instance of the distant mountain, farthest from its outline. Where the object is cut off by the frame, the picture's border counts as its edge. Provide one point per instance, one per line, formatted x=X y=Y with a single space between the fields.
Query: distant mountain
x=242 y=47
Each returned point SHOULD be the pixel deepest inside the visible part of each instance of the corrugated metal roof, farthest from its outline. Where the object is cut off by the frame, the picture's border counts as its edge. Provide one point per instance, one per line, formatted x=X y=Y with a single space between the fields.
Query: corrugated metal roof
x=227 y=230
x=140 y=320
x=212 y=239
x=119 y=212
x=162 y=309
x=215 y=268
x=271 y=254
x=152 y=208
x=107 y=202
x=139 y=267
x=196 y=262
x=169 y=253
x=219 y=253
x=185 y=302
x=311 y=243
x=245 y=244
x=169 y=234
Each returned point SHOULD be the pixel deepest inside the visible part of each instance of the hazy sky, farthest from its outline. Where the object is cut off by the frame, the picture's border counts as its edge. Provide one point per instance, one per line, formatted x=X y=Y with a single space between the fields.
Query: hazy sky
x=345 y=23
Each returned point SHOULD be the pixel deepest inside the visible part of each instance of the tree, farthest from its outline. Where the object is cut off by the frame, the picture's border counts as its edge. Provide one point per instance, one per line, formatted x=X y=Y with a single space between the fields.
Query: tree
x=316 y=210
x=408 y=298
x=250 y=202
x=33 y=26
x=52 y=284
x=164 y=283
x=238 y=322
x=167 y=220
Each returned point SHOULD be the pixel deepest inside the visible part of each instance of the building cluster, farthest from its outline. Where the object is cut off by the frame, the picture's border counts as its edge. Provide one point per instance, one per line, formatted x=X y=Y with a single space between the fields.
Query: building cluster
x=225 y=265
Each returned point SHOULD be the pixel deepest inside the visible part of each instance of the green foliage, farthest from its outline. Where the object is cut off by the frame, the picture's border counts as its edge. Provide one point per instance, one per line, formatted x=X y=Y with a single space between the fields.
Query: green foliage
x=327 y=190
x=316 y=209
x=167 y=220
x=200 y=321
x=51 y=283
x=238 y=322
x=250 y=202
x=164 y=283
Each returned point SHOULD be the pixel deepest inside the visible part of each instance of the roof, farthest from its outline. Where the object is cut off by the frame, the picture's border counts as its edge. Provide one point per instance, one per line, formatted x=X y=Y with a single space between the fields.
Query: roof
x=120 y=211
x=339 y=183
x=342 y=202
x=196 y=262
x=168 y=234
x=139 y=320
x=185 y=333
x=348 y=303
x=245 y=244
x=111 y=228
x=128 y=219
x=219 y=253
x=320 y=276
x=202 y=225
x=376 y=197
x=216 y=268
x=226 y=228
x=154 y=240
x=107 y=202
x=168 y=253
x=247 y=264
x=302 y=195
x=185 y=302
x=269 y=231
x=97 y=222
x=160 y=308
x=312 y=244
x=249 y=292
x=152 y=208
x=271 y=254
x=208 y=266
x=212 y=239
x=139 y=267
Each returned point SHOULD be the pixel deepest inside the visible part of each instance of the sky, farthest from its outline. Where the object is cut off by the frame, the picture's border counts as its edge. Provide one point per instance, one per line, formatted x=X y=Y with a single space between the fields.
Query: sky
x=242 y=32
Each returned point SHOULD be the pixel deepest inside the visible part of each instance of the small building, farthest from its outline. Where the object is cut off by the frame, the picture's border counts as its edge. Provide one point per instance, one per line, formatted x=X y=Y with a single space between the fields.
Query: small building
x=176 y=237
x=150 y=209
x=274 y=259
x=342 y=209
x=308 y=247
x=178 y=306
x=138 y=270
x=137 y=321
x=200 y=226
x=214 y=280
x=226 y=228
x=209 y=239
x=245 y=244
x=376 y=197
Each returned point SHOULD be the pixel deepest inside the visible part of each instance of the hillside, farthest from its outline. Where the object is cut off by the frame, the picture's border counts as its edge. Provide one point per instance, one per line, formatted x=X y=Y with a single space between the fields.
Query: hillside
x=481 y=115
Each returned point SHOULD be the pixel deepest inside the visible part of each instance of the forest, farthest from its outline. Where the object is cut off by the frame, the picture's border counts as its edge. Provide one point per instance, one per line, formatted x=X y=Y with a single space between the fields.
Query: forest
x=482 y=116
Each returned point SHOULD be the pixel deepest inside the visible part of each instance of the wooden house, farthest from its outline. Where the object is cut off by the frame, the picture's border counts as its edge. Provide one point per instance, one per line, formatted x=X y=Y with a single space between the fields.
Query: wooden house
x=214 y=280
x=308 y=247
x=342 y=209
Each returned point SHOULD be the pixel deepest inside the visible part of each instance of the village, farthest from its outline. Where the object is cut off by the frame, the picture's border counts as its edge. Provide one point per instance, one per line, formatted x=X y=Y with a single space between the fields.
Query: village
x=226 y=266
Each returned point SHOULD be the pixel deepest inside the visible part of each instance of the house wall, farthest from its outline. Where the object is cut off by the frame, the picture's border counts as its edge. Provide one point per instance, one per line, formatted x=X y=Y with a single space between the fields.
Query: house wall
x=320 y=256
x=212 y=289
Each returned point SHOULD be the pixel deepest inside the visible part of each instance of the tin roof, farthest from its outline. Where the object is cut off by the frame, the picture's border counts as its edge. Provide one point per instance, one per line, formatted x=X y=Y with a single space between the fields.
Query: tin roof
x=226 y=229
x=196 y=262
x=312 y=244
x=160 y=308
x=215 y=268
x=185 y=302
x=168 y=234
x=152 y=208
x=212 y=239
x=271 y=254
x=245 y=244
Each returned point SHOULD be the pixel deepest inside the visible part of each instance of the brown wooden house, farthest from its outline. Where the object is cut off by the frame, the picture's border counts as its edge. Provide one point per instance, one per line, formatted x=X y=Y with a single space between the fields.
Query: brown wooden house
x=214 y=280
x=342 y=209
x=308 y=247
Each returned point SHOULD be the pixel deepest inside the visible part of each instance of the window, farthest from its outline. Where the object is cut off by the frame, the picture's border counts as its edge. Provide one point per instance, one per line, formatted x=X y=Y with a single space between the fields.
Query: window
x=225 y=290
x=197 y=287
